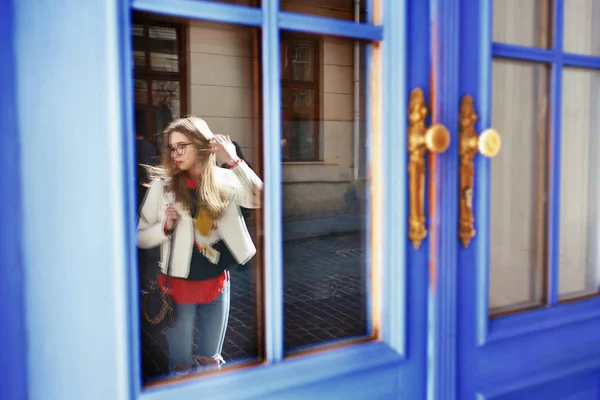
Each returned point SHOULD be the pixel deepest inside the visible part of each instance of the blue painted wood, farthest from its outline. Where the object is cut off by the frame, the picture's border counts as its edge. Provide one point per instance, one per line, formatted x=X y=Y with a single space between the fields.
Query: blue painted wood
x=356 y=359
x=580 y=60
x=546 y=353
x=418 y=75
x=273 y=274
x=74 y=224
x=520 y=357
x=13 y=363
x=472 y=283
x=378 y=384
x=337 y=363
x=125 y=85
x=443 y=295
x=368 y=163
x=202 y=9
x=394 y=113
x=475 y=79
x=541 y=319
x=576 y=382
x=369 y=281
x=505 y=50
x=555 y=156
x=329 y=26
x=79 y=219
x=349 y=363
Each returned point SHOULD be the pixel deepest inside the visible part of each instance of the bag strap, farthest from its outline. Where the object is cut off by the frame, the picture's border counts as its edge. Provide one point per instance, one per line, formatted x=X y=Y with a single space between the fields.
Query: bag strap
x=168 y=272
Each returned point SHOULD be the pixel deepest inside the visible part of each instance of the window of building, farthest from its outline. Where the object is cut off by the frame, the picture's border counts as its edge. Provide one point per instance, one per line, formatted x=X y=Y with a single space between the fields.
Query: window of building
x=323 y=208
x=300 y=98
x=159 y=75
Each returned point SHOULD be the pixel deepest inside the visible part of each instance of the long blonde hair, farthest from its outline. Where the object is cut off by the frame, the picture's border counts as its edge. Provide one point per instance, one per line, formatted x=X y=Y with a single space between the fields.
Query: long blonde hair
x=209 y=193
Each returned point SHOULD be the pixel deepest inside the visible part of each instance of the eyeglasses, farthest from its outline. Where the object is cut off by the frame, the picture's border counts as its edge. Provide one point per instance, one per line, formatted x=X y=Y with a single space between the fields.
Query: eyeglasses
x=179 y=149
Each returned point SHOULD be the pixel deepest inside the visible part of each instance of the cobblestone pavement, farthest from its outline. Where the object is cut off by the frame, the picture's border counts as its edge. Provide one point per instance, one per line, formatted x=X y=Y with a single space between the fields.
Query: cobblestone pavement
x=324 y=296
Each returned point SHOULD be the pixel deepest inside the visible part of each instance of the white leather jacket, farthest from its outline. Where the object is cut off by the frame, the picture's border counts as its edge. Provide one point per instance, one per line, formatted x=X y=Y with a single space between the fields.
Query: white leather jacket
x=246 y=192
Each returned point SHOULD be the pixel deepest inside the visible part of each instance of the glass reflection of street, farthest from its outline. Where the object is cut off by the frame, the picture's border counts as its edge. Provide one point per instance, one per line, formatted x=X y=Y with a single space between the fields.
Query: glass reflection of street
x=324 y=296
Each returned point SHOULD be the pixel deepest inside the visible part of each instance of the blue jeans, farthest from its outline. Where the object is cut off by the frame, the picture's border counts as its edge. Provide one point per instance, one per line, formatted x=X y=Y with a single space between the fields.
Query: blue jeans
x=198 y=330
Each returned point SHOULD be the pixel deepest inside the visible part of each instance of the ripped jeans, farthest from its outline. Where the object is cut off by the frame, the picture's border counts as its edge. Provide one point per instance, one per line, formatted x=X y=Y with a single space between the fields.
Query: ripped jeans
x=198 y=331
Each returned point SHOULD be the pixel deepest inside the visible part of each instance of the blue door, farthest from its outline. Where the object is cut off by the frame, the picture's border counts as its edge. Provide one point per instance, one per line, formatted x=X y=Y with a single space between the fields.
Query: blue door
x=522 y=234
x=83 y=342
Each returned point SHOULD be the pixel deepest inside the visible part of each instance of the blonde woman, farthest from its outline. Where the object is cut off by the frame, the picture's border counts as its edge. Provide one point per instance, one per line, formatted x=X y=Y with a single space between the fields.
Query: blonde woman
x=196 y=204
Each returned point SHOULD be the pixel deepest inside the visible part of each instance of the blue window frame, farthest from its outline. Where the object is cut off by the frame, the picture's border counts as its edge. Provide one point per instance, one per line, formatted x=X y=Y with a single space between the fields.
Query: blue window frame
x=91 y=221
x=557 y=59
x=560 y=314
x=476 y=80
x=13 y=366
x=494 y=342
x=275 y=374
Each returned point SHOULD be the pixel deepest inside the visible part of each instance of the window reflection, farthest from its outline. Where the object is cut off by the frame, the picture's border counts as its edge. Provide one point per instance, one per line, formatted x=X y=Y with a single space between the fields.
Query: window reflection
x=162 y=42
x=580 y=27
x=339 y=9
x=163 y=49
x=166 y=105
x=324 y=173
x=518 y=224
x=211 y=71
x=300 y=105
x=523 y=22
x=139 y=45
x=579 y=270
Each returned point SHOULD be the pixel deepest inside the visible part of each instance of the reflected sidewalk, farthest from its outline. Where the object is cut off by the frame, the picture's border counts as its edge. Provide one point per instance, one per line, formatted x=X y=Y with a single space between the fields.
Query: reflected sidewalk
x=319 y=226
x=324 y=285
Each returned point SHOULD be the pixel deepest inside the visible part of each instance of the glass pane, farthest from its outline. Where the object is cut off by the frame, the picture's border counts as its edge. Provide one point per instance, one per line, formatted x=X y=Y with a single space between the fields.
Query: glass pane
x=283 y=58
x=299 y=88
x=164 y=49
x=140 y=91
x=518 y=186
x=139 y=46
x=582 y=31
x=141 y=108
x=166 y=105
x=579 y=237
x=304 y=124
x=217 y=306
x=285 y=98
x=523 y=22
x=303 y=60
x=324 y=201
x=287 y=136
x=339 y=9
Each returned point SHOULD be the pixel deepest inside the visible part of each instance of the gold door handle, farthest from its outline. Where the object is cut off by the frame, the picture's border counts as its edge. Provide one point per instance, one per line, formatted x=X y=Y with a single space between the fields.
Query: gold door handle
x=488 y=144
x=436 y=139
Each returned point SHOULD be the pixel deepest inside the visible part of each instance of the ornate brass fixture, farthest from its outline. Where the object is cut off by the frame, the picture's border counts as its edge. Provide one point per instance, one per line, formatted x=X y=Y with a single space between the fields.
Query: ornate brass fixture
x=488 y=144
x=436 y=139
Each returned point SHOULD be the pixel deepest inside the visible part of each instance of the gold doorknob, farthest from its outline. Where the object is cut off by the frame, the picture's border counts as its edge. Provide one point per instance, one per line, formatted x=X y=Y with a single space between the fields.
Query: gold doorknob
x=490 y=143
x=421 y=139
x=437 y=138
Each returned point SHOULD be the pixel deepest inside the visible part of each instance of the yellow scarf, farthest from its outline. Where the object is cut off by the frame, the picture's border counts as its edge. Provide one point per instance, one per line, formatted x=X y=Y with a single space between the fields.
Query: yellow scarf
x=203 y=222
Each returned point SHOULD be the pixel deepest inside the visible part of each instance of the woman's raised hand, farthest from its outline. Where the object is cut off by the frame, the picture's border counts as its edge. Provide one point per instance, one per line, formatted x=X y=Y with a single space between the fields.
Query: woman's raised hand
x=224 y=149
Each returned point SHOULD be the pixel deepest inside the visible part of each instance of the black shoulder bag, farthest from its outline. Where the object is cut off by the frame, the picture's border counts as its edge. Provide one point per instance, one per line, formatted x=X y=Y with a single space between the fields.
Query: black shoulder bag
x=157 y=305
